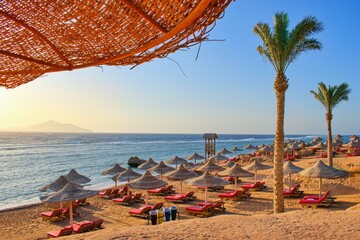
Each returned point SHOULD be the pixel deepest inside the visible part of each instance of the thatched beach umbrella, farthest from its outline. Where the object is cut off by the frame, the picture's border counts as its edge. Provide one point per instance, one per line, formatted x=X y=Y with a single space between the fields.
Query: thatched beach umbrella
x=256 y=166
x=176 y=160
x=207 y=180
x=224 y=151
x=57 y=185
x=321 y=170
x=249 y=147
x=135 y=161
x=181 y=174
x=147 y=165
x=69 y=194
x=290 y=168
x=126 y=175
x=236 y=171
x=161 y=168
x=74 y=177
x=210 y=166
x=146 y=182
x=352 y=145
x=114 y=170
x=229 y=164
x=353 y=137
x=218 y=157
x=236 y=149
x=195 y=156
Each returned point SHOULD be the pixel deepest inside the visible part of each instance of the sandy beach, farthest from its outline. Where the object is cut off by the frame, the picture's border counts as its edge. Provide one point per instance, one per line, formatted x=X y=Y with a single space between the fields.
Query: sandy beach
x=247 y=219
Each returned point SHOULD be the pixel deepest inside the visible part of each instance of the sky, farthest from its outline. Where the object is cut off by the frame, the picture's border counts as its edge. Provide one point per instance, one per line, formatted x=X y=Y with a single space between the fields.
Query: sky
x=227 y=90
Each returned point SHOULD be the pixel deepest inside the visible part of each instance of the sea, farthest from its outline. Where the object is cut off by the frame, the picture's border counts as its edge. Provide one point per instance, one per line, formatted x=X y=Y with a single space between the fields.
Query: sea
x=29 y=161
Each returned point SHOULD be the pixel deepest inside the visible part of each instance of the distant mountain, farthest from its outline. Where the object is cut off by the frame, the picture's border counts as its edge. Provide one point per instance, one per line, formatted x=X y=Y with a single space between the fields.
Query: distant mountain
x=52 y=126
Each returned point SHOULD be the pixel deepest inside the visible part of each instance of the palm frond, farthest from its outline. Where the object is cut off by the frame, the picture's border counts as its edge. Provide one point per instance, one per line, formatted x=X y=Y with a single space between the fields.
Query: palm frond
x=281 y=35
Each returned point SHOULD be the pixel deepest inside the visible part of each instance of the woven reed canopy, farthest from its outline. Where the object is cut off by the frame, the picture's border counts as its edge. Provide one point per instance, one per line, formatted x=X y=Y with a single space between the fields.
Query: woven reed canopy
x=39 y=37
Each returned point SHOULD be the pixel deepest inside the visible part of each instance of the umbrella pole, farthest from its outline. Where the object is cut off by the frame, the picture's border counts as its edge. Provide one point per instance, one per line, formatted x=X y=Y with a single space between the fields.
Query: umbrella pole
x=235 y=183
x=206 y=200
x=255 y=175
x=116 y=184
x=147 y=198
x=320 y=182
x=71 y=214
x=289 y=182
x=180 y=187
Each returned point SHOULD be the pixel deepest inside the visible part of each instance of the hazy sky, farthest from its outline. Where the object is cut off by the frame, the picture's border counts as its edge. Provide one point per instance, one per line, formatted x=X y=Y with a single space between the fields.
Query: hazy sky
x=228 y=89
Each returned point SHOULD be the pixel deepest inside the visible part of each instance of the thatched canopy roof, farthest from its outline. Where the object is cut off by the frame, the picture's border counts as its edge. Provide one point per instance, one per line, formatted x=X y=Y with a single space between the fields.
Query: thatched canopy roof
x=39 y=37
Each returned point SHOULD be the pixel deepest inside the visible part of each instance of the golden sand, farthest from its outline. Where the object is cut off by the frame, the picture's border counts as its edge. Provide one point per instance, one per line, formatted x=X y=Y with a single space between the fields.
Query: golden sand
x=248 y=219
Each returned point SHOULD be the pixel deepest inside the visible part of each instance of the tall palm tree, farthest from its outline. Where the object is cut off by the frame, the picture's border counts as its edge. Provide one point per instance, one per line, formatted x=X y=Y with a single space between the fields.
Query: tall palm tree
x=330 y=97
x=281 y=47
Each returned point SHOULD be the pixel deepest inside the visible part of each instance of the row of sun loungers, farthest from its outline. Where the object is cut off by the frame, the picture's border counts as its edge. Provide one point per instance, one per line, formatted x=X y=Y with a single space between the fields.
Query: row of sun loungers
x=162 y=191
x=78 y=227
x=181 y=197
x=113 y=192
x=129 y=199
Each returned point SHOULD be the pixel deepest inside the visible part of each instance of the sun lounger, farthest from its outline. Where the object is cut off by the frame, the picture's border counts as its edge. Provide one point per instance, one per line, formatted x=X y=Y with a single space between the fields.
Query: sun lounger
x=114 y=192
x=156 y=206
x=206 y=210
x=218 y=206
x=316 y=201
x=232 y=180
x=84 y=226
x=142 y=212
x=136 y=198
x=105 y=194
x=258 y=186
x=126 y=200
x=97 y=224
x=55 y=215
x=61 y=232
x=158 y=191
x=181 y=197
x=170 y=189
x=293 y=192
x=236 y=195
x=123 y=191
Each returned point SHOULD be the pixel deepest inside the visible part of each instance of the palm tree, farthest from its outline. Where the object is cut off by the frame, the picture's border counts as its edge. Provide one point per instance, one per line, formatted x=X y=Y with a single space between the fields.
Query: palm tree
x=281 y=47
x=330 y=97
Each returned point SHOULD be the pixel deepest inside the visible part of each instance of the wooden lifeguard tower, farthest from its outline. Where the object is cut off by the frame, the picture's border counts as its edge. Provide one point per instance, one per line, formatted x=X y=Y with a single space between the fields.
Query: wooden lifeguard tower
x=210 y=144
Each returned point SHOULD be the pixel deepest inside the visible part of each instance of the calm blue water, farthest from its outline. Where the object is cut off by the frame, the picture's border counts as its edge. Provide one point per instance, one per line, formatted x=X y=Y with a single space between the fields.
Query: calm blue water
x=29 y=161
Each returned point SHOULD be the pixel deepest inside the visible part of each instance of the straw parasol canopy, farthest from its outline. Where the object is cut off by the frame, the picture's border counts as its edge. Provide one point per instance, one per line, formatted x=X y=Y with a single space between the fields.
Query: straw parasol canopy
x=207 y=180
x=321 y=170
x=236 y=171
x=161 y=168
x=229 y=164
x=195 y=156
x=181 y=174
x=176 y=160
x=353 y=137
x=249 y=147
x=224 y=151
x=57 y=185
x=74 y=177
x=147 y=165
x=236 y=149
x=256 y=166
x=126 y=175
x=146 y=182
x=218 y=157
x=70 y=192
x=42 y=37
x=114 y=170
x=290 y=168
x=210 y=166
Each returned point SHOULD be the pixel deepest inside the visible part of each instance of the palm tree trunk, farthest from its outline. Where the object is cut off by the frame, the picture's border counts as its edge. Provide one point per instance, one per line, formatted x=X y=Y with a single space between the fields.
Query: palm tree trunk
x=280 y=87
x=329 y=148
